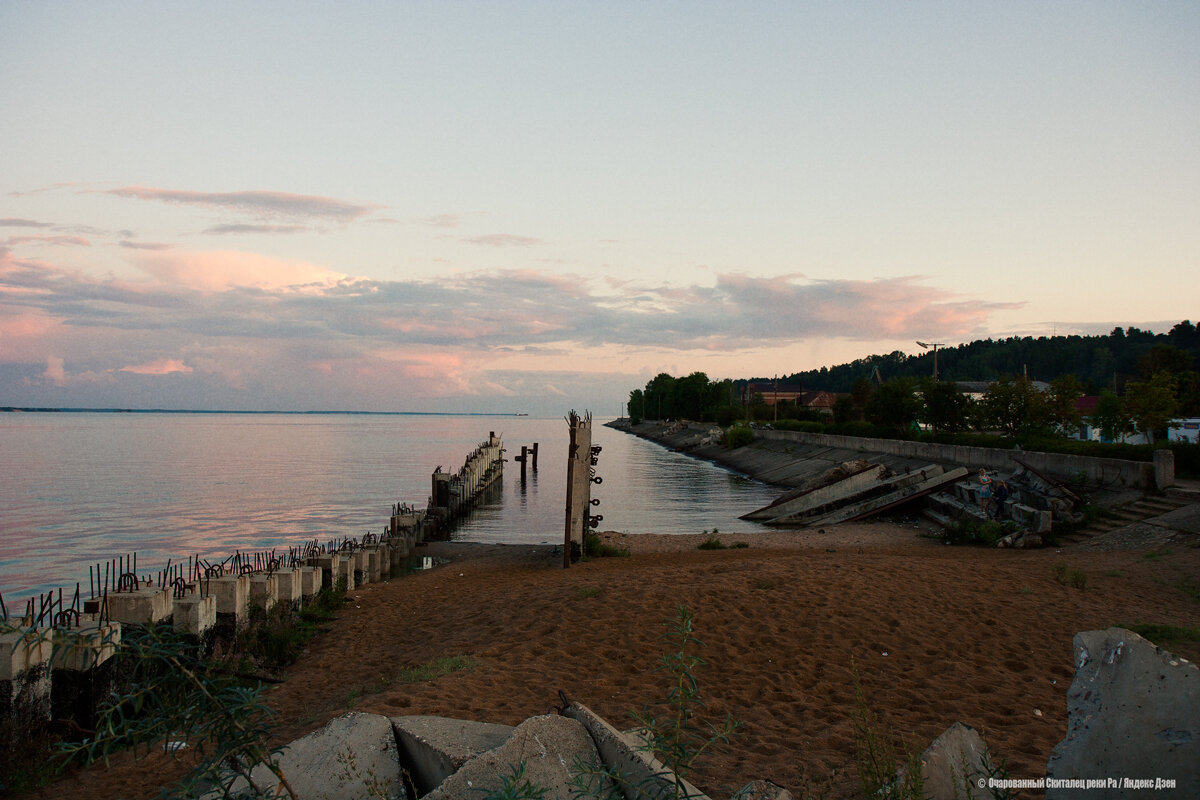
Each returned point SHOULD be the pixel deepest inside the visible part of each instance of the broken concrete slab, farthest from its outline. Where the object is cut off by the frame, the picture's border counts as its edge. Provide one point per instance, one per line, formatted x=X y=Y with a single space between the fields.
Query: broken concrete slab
x=857 y=477
x=549 y=747
x=354 y=757
x=1133 y=713
x=953 y=764
x=762 y=790
x=434 y=748
x=628 y=754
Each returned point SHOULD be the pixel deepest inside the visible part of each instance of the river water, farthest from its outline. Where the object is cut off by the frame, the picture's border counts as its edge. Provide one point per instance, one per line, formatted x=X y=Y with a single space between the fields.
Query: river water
x=79 y=488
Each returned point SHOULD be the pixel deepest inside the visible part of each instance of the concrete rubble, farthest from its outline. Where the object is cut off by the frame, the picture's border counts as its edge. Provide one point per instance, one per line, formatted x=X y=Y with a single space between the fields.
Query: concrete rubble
x=1133 y=713
x=953 y=764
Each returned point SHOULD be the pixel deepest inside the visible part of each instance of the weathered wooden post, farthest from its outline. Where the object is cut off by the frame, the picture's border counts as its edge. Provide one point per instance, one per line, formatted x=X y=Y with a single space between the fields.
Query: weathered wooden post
x=579 y=482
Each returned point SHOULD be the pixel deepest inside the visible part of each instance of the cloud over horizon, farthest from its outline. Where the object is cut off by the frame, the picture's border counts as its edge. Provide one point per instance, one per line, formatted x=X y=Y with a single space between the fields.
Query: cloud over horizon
x=242 y=318
x=258 y=203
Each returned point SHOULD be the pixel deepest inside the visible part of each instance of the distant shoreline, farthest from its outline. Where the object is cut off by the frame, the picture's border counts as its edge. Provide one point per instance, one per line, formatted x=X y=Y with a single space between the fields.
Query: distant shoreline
x=19 y=409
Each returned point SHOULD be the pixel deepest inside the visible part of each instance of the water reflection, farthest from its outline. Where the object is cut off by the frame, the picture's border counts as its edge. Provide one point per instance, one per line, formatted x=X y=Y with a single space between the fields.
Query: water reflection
x=81 y=488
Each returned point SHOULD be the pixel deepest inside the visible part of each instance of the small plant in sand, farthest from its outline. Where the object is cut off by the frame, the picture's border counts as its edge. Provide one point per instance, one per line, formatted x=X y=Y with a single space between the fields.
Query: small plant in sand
x=877 y=756
x=595 y=547
x=711 y=543
x=673 y=734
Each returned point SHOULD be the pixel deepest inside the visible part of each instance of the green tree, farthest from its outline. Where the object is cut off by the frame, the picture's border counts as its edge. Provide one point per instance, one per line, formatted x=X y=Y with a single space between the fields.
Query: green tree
x=692 y=396
x=1151 y=404
x=637 y=406
x=1062 y=411
x=1111 y=417
x=1014 y=407
x=895 y=405
x=946 y=409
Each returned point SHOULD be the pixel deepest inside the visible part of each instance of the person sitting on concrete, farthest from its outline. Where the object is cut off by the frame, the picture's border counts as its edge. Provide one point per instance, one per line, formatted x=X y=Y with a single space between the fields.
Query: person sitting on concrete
x=1001 y=494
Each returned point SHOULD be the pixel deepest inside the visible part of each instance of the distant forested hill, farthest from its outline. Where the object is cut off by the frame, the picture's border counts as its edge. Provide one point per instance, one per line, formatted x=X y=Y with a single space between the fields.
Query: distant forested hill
x=1099 y=362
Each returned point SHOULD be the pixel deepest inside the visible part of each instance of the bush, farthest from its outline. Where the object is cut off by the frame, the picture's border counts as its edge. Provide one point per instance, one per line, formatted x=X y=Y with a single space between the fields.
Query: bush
x=594 y=547
x=711 y=543
x=737 y=436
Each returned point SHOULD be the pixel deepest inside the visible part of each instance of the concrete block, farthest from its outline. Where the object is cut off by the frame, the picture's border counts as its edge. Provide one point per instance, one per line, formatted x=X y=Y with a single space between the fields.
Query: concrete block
x=330 y=565
x=346 y=571
x=232 y=593
x=548 y=746
x=434 y=748
x=371 y=568
x=1133 y=712
x=624 y=753
x=141 y=606
x=311 y=581
x=195 y=614
x=22 y=651
x=351 y=758
x=953 y=764
x=85 y=646
x=361 y=571
x=264 y=590
x=287 y=582
x=25 y=676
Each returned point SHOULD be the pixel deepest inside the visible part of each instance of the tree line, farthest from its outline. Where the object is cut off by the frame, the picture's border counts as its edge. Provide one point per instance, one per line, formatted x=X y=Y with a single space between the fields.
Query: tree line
x=895 y=395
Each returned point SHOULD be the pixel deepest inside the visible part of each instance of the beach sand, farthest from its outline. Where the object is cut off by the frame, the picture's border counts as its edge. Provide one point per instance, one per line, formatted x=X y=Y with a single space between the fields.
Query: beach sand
x=936 y=634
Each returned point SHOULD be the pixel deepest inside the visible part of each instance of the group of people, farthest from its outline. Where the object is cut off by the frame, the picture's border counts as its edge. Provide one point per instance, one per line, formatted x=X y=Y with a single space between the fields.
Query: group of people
x=993 y=492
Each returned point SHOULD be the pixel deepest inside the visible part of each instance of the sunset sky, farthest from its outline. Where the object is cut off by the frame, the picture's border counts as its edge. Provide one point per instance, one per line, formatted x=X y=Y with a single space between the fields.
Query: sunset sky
x=537 y=206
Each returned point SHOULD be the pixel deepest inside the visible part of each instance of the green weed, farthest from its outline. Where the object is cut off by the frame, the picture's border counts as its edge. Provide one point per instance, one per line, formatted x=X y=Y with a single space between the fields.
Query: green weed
x=432 y=670
x=711 y=543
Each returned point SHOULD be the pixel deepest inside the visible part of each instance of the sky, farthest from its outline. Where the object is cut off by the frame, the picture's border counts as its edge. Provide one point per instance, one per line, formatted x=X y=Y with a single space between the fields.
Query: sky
x=537 y=206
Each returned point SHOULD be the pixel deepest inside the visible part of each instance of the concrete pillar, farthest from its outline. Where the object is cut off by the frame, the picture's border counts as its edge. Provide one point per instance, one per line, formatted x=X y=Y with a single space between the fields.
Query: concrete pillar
x=1164 y=469
x=384 y=549
x=330 y=565
x=310 y=581
x=288 y=582
x=372 y=569
x=83 y=670
x=195 y=614
x=141 y=606
x=346 y=571
x=232 y=593
x=25 y=677
x=264 y=590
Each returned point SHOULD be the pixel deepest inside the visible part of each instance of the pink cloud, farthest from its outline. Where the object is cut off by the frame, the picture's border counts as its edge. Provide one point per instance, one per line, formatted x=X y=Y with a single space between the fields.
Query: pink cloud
x=163 y=366
x=53 y=241
x=218 y=270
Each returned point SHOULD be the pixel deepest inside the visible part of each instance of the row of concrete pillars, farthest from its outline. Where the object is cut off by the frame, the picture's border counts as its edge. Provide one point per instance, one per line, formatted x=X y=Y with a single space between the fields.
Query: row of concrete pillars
x=454 y=494
x=64 y=669
x=65 y=672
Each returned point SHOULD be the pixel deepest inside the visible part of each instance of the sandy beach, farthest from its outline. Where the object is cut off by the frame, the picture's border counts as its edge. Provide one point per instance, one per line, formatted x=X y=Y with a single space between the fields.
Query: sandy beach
x=936 y=634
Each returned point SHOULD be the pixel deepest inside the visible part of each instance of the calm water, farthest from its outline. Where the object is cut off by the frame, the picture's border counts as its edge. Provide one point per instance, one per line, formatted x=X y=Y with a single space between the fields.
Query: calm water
x=81 y=488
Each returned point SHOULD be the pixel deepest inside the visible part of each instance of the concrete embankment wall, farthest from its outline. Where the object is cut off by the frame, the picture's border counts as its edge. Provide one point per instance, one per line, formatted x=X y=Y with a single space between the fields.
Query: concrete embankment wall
x=787 y=458
x=1158 y=474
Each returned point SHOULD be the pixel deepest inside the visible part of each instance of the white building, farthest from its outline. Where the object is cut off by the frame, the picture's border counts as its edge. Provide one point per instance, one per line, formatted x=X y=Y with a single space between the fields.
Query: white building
x=1184 y=430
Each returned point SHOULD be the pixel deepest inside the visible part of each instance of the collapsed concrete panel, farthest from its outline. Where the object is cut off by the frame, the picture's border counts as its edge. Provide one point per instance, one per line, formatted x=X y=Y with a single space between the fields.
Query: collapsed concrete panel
x=549 y=747
x=434 y=748
x=353 y=757
x=643 y=774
